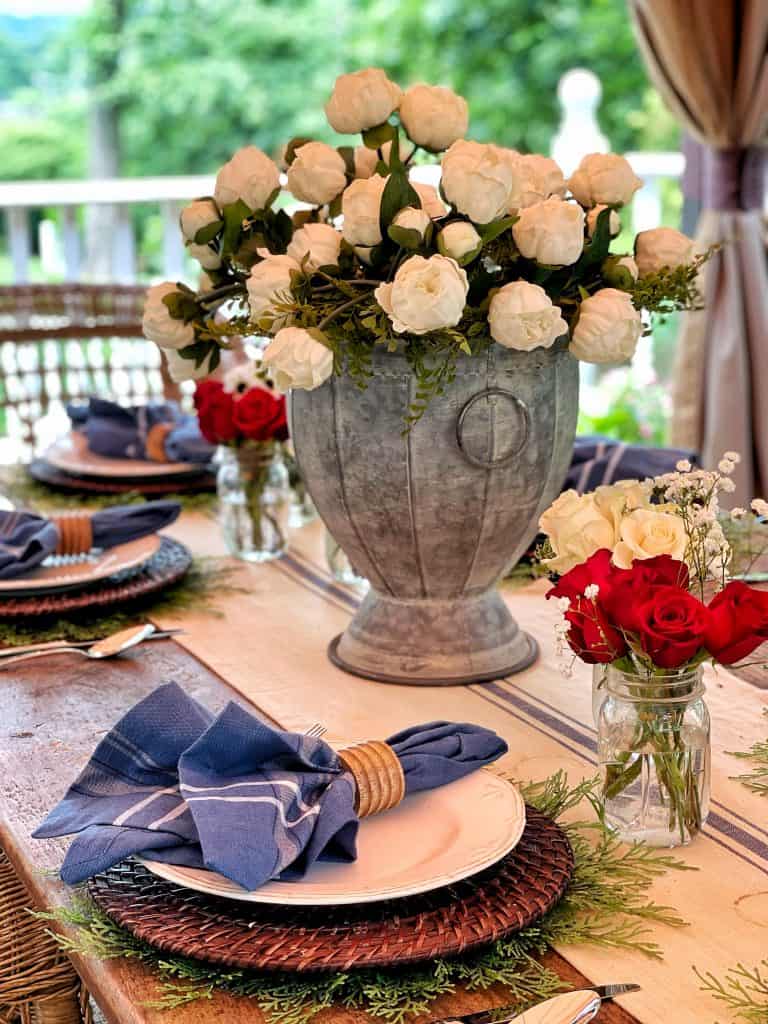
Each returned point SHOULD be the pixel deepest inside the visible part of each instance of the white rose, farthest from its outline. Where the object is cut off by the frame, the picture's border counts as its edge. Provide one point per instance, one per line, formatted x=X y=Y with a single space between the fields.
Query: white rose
x=576 y=529
x=662 y=247
x=181 y=369
x=157 y=323
x=251 y=176
x=207 y=257
x=320 y=243
x=269 y=283
x=426 y=294
x=646 y=533
x=537 y=178
x=550 y=232
x=430 y=200
x=363 y=99
x=412 y=220
x=607 y=329
x=365 y=161
x=196 y=215
x=458 y=240
x=318 y=173
x=522 y=316
x=604 y=178
x=614 y=221
x=360 y=206
x=477 y=180
x=296 y=359
x=618 y=499
x=434 y=117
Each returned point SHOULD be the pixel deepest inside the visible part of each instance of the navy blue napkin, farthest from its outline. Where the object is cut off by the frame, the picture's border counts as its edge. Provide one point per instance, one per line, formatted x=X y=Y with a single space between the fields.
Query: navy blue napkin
x=230 y=793
x=599 y=460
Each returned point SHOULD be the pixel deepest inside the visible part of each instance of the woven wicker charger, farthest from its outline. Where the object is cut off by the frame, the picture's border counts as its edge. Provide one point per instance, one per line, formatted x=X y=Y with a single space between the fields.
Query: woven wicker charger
x=167 y=566
x=501 y=900
x=193 y=483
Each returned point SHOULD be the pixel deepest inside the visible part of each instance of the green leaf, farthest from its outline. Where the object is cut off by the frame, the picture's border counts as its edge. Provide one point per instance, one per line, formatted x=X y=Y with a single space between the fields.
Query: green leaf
x=347 y=154
x=334 y=207
x=464 y=346
x=283 y=227
x=408 y=238
x=398 y=193
x=296 y=143
x=181 y=306
x=209 y=232
x=234 y=215
x=496 y=227
x=596 y=250
x=374 y=138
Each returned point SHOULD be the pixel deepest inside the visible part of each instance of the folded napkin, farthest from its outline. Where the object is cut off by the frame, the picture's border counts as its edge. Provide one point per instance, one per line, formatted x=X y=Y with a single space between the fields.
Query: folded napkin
x=230 y=793
x=27 y=538
x=598 y=460
x=157 y=431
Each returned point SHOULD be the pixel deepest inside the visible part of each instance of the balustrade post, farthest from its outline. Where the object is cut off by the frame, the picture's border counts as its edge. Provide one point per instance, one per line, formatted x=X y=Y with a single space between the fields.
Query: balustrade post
x=124 y=246
x=70 y=234
x=173 y=249
x=17 y=221
x=579 y=93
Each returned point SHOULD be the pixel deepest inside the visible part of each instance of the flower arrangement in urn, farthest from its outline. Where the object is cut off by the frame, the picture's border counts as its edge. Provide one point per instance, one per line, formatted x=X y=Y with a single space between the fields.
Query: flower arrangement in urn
x=433 y=326
x=642 y=584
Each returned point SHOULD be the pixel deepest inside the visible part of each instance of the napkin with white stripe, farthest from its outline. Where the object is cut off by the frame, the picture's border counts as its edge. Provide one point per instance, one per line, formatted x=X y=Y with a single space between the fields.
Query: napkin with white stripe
x=232 y=794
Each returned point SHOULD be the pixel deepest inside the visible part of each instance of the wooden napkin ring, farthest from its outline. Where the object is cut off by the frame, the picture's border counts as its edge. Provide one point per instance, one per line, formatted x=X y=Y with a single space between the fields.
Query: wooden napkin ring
x=75 y=533
x=379 y=776
x=154 y=445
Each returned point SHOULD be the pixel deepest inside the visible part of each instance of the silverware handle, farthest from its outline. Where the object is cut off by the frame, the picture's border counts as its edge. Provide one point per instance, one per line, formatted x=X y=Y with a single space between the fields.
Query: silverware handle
x=30 y=655
x=570 y=1008
x=52 y=646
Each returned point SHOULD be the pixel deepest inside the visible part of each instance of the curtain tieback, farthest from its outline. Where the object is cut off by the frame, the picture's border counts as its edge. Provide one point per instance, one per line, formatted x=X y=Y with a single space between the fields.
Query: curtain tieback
x=734 y=178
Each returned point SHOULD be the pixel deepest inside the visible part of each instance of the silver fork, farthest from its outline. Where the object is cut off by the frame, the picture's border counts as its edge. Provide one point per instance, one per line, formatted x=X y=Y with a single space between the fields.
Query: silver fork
x=316 y=731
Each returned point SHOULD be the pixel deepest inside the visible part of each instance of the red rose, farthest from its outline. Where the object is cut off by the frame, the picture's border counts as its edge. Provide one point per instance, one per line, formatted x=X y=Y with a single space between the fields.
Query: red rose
x=632 y=588
x=671 y=625
x=260 y=416
x=598 y=569
x=738 y=622
x=215 y=412
x=591 y=636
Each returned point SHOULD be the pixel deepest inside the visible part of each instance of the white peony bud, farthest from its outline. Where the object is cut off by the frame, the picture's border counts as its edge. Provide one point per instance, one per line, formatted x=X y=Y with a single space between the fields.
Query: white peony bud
x=477 y=180
x=604 y=178
x=536 y=179
x=660 y=248
x=607 y=329
x=458 y=240
x=522 y=316
x=196 y=215
x=614 y=221
x=181 y=369
x=365 y=161
x=207 y=257
x=157 y=323
x=550 y=232
x=412 y=220
x=320 y=243
x=361 y=205
x=363 y=99
x=318 y=173
x=269 y=283
x=430 y=200
x=251 y=176
x=434 y=117
x=296 y=359
x=426 y=294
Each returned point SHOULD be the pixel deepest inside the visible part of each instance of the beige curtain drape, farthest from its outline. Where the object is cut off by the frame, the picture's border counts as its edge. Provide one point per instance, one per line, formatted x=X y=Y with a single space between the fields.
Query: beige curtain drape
x=708 y=59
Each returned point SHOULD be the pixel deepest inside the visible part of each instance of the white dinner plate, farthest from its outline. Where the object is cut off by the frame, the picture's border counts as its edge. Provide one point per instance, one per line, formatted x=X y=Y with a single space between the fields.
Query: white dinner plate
x=72 y=454
x=59 y=573
x=432 y=839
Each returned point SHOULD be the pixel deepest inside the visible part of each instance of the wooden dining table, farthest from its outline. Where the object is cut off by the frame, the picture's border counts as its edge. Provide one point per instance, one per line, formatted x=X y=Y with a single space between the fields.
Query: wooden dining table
x=263 y=644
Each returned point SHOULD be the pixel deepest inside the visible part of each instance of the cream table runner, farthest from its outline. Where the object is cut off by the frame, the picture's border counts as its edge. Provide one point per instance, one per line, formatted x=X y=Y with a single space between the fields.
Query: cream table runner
x=270 y=646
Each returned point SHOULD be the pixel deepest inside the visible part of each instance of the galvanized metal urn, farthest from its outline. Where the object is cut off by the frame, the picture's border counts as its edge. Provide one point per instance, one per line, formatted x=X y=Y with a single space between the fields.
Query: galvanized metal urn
x=435 y=517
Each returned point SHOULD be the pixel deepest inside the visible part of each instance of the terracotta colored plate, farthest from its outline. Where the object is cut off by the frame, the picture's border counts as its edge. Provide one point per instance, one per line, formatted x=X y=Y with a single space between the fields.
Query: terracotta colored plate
x=49 y=475
x=71 y=454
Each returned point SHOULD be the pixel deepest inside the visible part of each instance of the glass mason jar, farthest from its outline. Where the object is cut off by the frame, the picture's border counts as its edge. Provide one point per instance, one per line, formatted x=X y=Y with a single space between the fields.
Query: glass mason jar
x=254 y=500
x=303 y=511
x=339 y=565
x=654 y=753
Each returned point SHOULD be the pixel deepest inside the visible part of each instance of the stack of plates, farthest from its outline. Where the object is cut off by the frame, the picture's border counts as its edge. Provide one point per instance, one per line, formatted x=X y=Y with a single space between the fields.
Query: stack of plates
x=69 y=465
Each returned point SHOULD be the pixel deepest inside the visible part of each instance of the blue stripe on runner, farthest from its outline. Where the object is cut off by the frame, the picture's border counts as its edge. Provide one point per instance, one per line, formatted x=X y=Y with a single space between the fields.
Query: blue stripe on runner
x=314 y=577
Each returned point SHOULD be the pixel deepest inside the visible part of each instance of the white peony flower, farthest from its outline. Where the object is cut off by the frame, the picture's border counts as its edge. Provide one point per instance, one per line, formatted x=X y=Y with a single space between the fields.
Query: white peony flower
x=614 y=221
x=426 y=294
x=430 y=200
x=251 y=176
x=536 y=179
x=434 y=117
x=607 y=329
x=522 y=316
x=207 y=257
x=296 y=359
x=181 y=369
x=363 y=99
x=478 y=180
x=550 y=232
x=360 y=206
x=662 y=247
x=196 y=215
x=365 y=161
x=157 y=323
x=320 y=243
x=604 y=178
x=269 y=283
x=412 y=219
x=458 y=240
x=318 y=173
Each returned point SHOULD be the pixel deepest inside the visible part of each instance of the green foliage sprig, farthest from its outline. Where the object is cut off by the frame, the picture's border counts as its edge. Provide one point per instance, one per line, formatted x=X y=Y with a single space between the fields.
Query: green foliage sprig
x=757 y=778
x=669 y=291
x=744 y=990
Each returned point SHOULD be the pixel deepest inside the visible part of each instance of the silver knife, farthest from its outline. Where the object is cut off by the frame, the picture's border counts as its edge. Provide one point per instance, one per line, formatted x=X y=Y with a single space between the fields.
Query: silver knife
x=570 y=1008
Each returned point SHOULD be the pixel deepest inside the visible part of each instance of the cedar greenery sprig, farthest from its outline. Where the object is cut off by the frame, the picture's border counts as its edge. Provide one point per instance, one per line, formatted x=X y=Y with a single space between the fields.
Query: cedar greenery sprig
x=743 y=990
x=757 y=778
x=606 y=905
